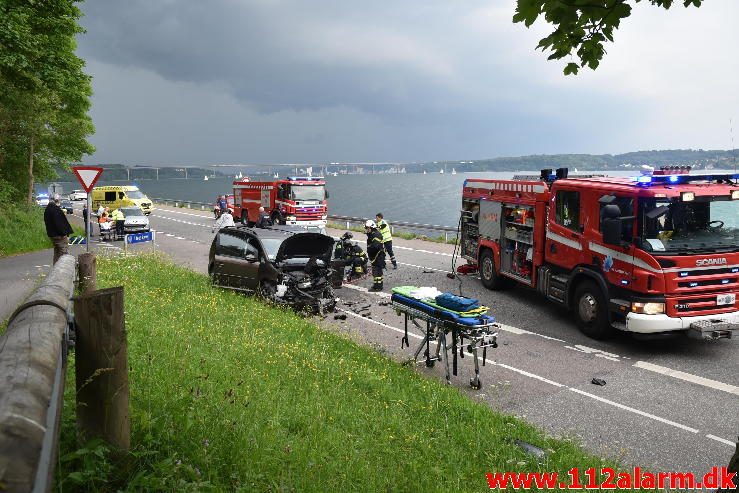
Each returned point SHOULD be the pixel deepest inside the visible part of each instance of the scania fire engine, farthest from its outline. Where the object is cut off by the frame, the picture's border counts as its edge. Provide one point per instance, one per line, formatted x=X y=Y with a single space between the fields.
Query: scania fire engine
x=653 y=254
x=294 y=200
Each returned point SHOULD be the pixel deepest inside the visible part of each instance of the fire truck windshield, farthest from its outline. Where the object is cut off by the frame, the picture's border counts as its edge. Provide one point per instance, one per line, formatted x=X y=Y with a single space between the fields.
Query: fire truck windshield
x=307 y=192
x=675 y=226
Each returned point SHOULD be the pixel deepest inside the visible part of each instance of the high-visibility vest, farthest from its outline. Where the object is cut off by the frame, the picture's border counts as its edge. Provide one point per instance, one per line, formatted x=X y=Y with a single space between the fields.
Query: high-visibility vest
x=117 y=215
x=384 y=229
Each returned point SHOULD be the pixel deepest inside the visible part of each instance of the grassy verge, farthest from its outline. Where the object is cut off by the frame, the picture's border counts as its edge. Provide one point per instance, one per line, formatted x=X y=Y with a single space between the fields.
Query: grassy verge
x=228 y=394
x=22 y=229
x=398 y=234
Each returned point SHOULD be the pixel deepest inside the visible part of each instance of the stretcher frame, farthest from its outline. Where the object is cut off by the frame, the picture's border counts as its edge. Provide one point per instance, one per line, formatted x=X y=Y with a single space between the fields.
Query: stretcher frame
x=482 y=336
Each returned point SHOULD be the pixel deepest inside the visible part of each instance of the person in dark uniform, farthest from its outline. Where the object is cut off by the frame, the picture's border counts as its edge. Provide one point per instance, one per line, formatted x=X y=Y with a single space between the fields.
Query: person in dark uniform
x=264 y=221
x=57 y=227
x=376 y=253
x=86 y=218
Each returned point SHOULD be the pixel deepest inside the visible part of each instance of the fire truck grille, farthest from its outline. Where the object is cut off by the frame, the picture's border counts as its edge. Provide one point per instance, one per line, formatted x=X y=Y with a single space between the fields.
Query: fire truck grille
x=686 y=274
x=697 y=306
x=711 y=282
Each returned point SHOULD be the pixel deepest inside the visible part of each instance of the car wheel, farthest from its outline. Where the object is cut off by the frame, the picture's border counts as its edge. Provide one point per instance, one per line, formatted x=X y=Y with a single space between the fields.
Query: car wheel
x=489 y=275
x=267 y=291
x=591 y=311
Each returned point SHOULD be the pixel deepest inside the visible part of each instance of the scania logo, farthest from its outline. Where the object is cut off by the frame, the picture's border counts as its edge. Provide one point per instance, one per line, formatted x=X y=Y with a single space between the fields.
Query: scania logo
x=710 y=261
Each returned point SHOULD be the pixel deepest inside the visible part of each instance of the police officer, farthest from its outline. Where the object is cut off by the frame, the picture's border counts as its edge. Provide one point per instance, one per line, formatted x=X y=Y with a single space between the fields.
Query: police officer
x=387 y=237
x=264 y=221
x=376 y=253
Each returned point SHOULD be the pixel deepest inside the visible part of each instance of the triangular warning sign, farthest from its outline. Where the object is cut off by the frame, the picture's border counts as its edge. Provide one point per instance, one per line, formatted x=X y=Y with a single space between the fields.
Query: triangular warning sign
x=87 y=176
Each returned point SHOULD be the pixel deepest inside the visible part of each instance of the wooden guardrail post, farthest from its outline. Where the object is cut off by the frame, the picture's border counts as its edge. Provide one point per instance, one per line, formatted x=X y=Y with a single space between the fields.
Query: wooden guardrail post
x=32 y=365
x=87 y=272
x=101 y=367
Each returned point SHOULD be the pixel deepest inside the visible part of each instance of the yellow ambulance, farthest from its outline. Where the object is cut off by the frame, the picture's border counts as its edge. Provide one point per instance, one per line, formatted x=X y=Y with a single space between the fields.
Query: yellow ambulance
x=117 y=196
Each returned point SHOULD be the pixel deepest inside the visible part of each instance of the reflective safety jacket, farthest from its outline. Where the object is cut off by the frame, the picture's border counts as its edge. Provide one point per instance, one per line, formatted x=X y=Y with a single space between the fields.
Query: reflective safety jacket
x=117 y=215
x=384 y=229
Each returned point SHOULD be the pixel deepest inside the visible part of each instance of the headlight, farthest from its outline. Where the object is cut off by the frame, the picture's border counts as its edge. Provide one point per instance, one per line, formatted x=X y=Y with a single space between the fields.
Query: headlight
x=647 y=308
x=324 y=217
x=290 y=218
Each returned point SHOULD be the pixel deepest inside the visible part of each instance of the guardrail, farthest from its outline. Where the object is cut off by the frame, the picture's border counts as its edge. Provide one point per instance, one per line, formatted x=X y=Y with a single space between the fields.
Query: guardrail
x=447 y=231
x=33 y=362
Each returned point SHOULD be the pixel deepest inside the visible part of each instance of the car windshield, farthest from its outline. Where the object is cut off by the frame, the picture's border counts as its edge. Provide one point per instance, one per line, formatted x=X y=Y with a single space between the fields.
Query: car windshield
x=132 y=212
x=307 y=192
x=272 y=246
x=706 y=224
x=135 y=194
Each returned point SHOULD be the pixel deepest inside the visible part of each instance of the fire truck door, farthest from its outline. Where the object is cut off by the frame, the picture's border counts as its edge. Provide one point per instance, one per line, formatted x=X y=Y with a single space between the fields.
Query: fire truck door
x=564 y=234
x=265 y=199
x=617 y=261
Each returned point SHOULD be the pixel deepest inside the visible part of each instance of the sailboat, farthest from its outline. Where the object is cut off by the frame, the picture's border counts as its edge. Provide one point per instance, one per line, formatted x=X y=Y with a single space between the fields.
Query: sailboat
x=276 y=175
x=454 y=171
x=205 y=178
x=424 y=172
x=441 y=171
x=239 y=176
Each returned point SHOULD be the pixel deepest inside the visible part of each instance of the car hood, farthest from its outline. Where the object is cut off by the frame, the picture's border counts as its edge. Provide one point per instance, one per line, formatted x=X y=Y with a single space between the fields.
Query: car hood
x=306 y=245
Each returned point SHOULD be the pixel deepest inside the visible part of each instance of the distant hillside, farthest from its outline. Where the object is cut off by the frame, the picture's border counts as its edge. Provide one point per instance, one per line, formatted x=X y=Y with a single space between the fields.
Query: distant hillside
x=699 y=159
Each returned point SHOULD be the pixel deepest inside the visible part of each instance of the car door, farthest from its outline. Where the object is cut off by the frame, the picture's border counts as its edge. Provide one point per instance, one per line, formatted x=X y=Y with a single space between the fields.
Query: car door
x=230 y=264
x=252 y=260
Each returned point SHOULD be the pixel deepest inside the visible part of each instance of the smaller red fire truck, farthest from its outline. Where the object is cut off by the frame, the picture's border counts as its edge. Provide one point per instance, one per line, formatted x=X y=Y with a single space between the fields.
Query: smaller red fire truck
x=297 y=201
x=653 y=254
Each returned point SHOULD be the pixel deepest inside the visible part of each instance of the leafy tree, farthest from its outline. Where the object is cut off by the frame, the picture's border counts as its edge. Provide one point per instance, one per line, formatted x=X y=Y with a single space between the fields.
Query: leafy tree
x=581 y=26
x=46 y=94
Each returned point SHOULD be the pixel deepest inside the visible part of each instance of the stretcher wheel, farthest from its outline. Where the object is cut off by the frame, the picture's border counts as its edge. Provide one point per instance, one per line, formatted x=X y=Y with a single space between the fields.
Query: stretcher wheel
x=430 y=363
x=476 y=383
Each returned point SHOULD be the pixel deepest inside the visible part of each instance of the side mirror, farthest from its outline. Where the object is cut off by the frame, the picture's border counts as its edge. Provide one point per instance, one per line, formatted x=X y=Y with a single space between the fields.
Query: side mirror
x=612 y=231
x=250 y=257
x=327 y=194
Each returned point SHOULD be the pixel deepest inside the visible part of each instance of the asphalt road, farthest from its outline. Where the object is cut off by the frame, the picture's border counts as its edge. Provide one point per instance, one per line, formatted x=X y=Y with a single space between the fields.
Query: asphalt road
x=668 y=405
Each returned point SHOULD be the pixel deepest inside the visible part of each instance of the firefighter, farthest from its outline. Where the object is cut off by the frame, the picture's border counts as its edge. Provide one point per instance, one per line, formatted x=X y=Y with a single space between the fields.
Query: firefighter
x=387 y=237
x=376 y=253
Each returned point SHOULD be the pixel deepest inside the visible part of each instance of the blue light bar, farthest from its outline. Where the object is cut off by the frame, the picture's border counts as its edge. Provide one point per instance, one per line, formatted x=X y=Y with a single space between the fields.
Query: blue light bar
x=674 y=178
x=683 y=274
x=644 y=179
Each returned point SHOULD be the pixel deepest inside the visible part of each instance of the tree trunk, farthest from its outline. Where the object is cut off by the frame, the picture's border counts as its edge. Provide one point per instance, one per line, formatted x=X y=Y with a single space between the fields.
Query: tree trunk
x=30 y=173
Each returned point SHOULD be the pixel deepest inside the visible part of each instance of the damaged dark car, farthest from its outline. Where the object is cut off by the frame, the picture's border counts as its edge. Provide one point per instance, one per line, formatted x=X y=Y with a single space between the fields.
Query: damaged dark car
x=283 y=264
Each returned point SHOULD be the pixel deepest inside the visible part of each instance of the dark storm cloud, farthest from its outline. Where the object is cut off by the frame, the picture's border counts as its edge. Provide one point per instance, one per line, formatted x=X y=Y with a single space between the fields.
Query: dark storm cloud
x=275 y=55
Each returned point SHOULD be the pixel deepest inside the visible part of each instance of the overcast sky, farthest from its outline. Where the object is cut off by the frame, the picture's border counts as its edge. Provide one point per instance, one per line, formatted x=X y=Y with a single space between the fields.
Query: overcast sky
x=271 y=81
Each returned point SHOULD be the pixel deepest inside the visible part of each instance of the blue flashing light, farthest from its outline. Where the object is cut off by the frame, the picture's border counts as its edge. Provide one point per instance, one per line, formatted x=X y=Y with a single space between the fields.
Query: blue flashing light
x=735 y=269
x=644 y=179
x=693 y=284
x=304 y=178
x=725 y=281
x=683 y=274
x=674 y=178
x=624 y=282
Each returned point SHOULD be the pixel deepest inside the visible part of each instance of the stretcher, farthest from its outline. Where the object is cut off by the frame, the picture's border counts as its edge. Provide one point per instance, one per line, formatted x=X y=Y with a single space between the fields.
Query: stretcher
x=470 y=333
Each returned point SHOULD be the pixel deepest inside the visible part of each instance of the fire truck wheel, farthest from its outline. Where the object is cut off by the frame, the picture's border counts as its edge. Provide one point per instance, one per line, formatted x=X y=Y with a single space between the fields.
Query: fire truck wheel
x=488 y=275
x=591 y=311
x=277 y=218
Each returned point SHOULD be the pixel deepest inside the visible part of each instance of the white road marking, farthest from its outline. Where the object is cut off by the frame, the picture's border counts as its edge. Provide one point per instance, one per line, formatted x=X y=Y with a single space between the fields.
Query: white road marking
x=365 y=290
x=706 y=382
x=397 y=247
x=722 y=440
x=556 y=384
x=634 y=410
x=595 y=352
x=422 y=267
x=186 y=213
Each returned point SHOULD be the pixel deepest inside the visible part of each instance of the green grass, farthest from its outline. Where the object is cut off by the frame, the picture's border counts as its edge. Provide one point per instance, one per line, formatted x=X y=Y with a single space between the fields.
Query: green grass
x=229 y=394
x=398 y=234
x=22 y=229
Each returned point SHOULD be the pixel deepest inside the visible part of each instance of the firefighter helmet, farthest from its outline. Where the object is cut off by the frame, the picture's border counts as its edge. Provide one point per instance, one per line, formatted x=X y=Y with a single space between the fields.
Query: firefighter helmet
x=370 y=224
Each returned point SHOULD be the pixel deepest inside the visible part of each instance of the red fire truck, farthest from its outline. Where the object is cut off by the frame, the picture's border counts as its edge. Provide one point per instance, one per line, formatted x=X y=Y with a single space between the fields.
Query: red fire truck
x=650 y=255
x=294 y=200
